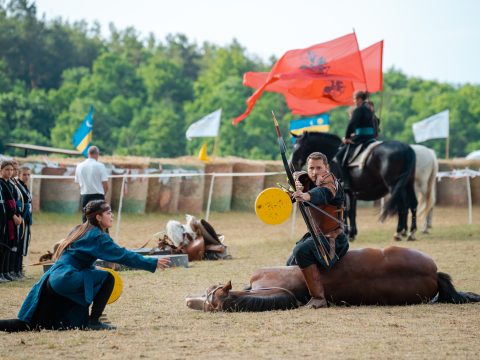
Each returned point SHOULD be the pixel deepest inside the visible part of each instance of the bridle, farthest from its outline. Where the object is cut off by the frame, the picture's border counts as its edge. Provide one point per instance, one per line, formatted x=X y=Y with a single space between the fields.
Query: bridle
x=209 y=297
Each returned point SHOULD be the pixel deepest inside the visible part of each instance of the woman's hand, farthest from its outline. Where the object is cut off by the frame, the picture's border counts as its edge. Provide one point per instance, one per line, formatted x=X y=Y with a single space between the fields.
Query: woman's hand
x=17 y=220
x=163 y=263
x=301 y=196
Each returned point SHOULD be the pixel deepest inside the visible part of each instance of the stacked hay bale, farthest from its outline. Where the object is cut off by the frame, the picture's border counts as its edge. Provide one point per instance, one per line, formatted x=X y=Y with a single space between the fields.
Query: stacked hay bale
x=273 y=180
x=222 y=186
x=58 y=195
x=245 y=189
x=454 y=192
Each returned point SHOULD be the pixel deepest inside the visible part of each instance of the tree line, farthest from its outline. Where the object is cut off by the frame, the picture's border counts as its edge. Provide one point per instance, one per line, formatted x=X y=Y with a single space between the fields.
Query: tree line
x=146 y=92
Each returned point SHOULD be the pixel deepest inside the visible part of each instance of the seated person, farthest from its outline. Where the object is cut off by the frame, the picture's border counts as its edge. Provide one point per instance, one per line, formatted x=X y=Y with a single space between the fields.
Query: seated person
x=63 y=295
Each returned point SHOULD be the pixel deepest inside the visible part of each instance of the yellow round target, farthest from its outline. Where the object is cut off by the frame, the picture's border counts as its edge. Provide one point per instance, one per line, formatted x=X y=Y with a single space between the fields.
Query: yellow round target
x=117 y=287
x=273 y=206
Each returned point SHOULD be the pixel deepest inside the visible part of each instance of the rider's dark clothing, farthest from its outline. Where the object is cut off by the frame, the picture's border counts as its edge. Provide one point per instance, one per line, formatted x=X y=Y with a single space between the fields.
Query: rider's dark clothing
x=329 y=196
x=361 y=129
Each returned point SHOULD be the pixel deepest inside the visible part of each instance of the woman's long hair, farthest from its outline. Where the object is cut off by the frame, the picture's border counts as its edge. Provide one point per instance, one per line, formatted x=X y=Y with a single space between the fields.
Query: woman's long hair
x=92 y=209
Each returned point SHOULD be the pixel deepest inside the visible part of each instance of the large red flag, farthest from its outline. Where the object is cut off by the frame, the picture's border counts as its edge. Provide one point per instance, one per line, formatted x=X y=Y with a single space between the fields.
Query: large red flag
x=320 y=71
x=304 y=99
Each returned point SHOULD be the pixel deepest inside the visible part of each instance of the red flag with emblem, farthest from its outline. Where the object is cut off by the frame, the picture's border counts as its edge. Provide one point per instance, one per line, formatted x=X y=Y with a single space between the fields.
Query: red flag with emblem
x=321 y=71
x=304 y=99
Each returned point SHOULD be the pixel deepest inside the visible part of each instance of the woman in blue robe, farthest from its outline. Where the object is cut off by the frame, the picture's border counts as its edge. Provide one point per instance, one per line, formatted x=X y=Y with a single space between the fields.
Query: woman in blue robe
x=63 y=295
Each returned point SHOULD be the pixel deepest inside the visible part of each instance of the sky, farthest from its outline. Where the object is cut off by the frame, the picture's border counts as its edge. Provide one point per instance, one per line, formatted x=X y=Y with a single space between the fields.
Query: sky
x=431 y=39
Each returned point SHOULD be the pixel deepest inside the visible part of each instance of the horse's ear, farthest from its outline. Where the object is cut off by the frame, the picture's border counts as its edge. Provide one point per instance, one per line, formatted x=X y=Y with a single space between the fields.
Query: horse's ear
x=228 y=286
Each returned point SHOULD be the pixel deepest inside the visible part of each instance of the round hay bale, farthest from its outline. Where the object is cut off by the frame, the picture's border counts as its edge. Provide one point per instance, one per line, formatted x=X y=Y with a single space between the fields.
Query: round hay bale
x=246 y=188
x=163 y=192
x=135 y=192
x=222 y=187
x=190 y=200
x=272 y=180
x=57 y=195
x=452 y=192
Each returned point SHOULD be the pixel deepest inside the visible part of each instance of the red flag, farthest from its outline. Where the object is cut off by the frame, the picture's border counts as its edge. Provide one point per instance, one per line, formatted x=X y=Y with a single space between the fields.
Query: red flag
x=320 y=71
x=307 y=99
x=372 y=58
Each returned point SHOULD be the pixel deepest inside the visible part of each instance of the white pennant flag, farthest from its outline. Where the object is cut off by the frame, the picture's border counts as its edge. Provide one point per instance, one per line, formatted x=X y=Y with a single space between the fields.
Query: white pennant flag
x=433 y=127
x=205 y=127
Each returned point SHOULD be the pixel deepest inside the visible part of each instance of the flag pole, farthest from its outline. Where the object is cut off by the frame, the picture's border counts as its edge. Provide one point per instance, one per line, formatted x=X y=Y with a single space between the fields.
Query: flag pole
x=446 y=147
x=215 y=146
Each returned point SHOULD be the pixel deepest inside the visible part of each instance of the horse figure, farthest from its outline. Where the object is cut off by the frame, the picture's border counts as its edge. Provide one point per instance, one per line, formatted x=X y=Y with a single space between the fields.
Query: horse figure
x=389 y=169
x=393 y=276
x=426 y=169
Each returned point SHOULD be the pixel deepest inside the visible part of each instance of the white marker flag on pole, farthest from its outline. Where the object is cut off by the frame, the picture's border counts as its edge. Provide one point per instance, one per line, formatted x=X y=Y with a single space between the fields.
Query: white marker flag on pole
x=433 y=127
x=206 y=126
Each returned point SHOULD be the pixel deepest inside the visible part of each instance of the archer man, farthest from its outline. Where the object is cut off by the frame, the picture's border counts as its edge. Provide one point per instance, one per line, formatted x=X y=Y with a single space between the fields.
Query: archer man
x=323 y=197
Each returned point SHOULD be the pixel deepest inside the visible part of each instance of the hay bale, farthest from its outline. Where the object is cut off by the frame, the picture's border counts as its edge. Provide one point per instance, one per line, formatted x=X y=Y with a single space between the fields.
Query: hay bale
x=452 y=192
x=222 y=187
x=475 y=187
x=135 y=197
x=163 y=193
x=57 y=195
x=36 y=194
x=272 y=180
x=246 y=188
x=190 y=200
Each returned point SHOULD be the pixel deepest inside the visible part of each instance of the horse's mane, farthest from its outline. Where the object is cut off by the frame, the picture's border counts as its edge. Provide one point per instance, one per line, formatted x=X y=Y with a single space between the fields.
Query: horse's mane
x=325 y=136
x=238 y=303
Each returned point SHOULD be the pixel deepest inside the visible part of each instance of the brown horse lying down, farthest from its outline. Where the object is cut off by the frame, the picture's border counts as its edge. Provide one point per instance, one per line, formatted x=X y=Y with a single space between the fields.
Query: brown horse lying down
x=393 y=276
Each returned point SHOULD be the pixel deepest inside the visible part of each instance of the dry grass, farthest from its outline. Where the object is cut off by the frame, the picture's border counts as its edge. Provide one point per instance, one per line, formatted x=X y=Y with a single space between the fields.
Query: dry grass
x=153 y=321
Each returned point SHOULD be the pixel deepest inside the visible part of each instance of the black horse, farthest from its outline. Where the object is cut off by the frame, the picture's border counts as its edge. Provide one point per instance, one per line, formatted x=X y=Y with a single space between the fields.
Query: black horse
x=389 y=169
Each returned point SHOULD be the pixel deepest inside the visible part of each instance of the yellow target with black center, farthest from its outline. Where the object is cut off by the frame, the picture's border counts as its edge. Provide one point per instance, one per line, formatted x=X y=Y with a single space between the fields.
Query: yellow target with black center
x=273 y=206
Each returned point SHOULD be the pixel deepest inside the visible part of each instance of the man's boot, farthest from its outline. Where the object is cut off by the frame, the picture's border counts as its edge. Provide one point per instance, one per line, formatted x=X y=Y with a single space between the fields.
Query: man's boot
x=315 y=287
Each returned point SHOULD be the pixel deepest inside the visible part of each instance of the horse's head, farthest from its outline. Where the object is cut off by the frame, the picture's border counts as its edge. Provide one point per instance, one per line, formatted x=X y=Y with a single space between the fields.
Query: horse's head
x=299 y=153
x=310 y=142
x=212 y=300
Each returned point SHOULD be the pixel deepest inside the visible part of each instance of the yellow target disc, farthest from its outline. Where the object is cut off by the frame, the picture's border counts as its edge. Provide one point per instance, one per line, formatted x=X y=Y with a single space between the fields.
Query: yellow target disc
x=117 y=287
x=273 y=206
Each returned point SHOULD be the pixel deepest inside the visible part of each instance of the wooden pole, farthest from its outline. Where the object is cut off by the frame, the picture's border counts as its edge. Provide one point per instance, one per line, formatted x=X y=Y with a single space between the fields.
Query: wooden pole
x=446 y=148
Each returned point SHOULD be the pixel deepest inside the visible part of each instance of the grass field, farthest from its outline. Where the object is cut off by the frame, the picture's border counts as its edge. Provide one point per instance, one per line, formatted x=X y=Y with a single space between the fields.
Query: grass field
x=153 y=321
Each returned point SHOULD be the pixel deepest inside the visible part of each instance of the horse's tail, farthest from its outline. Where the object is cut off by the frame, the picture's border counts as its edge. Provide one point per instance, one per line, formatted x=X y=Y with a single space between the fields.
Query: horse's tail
x=448 y=294
x=430 y=196
x=391 y=206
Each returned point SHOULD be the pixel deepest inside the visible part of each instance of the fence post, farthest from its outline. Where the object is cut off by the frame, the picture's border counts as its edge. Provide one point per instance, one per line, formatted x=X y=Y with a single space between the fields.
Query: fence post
x=119 y=214
x=210 y=192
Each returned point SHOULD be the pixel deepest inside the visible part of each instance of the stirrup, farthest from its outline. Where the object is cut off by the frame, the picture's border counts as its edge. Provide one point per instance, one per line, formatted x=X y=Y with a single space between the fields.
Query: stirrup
x=316 y=303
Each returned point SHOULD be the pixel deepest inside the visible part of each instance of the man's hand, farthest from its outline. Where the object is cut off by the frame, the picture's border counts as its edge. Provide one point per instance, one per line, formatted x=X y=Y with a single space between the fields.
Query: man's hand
x=346 y=141
x=17 y=220
x=301 y=196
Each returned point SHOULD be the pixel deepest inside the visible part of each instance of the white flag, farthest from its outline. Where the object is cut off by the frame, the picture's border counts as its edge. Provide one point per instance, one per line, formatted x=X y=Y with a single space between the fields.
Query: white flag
x=206 y=126
x=433 y=127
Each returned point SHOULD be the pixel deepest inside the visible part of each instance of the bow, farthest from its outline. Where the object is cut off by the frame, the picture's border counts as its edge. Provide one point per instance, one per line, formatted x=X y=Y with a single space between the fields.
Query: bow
x=283 y=149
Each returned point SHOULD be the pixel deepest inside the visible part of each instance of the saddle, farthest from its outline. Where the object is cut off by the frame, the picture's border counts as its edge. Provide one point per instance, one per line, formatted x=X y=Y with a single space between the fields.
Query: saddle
x=197 y=238
x=360 y=153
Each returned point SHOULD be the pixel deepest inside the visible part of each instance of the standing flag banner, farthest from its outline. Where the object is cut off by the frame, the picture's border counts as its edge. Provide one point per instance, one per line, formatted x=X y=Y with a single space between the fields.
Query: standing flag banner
x=321 y=73
x=320 y=123
x=205 y=127
x=82 y=137
x=433 y=127
x=306 y=96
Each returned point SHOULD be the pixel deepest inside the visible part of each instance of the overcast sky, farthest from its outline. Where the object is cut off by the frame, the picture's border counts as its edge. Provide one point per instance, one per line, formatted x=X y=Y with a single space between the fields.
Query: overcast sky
x=431 y=39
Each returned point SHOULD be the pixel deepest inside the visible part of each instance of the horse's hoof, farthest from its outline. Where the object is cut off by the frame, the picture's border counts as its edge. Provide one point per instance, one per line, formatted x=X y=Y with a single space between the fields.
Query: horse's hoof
x=425 y=232
x=351 y=239
x=411 y=238
x=403 y=233
x=397 y=237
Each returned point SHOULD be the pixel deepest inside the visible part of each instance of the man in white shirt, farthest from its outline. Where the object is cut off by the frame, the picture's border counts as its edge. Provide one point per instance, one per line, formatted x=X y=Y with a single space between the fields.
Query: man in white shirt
x=92 y=177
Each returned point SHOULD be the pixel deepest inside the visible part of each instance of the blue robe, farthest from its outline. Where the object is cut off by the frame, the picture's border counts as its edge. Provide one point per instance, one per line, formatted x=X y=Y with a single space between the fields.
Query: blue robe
x=75 y=277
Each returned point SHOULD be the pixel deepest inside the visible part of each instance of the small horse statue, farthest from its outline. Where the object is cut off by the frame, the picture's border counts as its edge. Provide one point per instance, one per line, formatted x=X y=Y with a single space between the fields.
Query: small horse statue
x=393 y=276
x=389 y=169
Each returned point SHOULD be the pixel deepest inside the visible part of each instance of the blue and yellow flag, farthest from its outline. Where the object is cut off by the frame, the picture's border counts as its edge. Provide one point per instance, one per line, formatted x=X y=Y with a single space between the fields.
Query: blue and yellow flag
x=320 y=123
x=82 y=138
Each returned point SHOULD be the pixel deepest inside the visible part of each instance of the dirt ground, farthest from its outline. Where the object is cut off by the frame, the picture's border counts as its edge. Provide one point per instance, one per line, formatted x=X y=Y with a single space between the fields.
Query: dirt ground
x=153 y=321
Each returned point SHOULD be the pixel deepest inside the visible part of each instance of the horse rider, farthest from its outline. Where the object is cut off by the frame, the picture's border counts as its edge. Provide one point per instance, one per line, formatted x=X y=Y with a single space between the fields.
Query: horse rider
x=360 y=130
x=319 y=187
